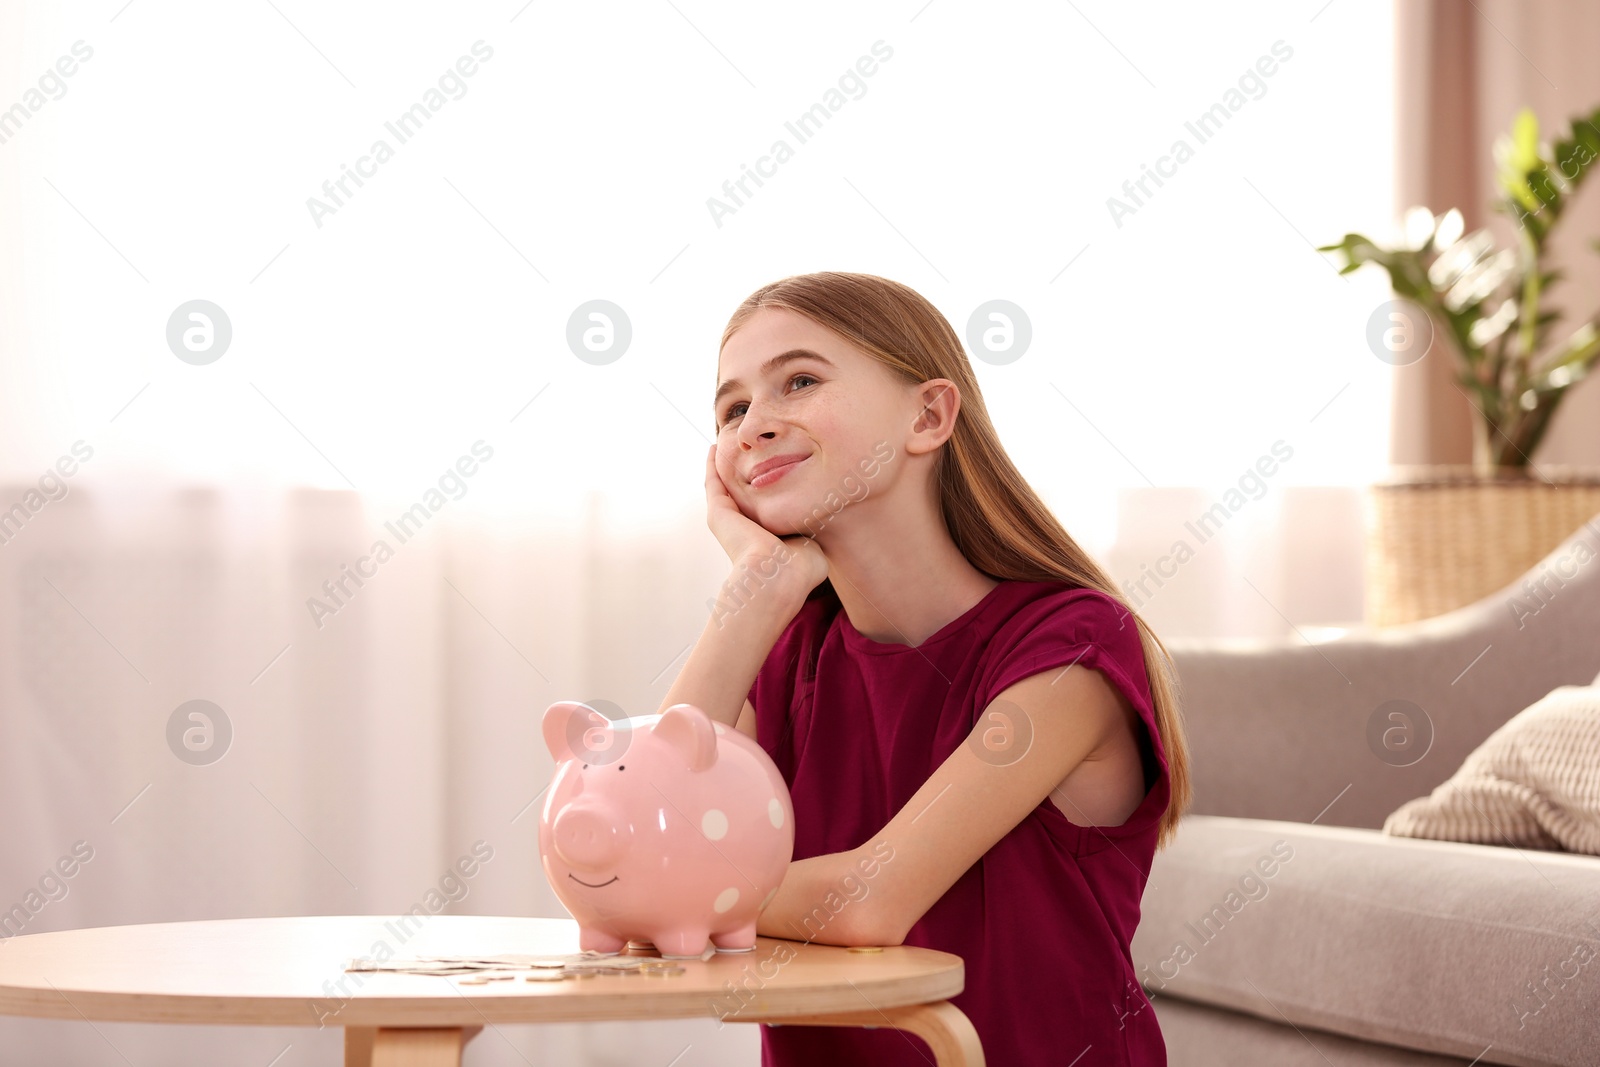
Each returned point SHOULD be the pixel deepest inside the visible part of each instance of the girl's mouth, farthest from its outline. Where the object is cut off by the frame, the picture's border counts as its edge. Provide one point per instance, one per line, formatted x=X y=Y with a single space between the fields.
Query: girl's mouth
x=762 y=480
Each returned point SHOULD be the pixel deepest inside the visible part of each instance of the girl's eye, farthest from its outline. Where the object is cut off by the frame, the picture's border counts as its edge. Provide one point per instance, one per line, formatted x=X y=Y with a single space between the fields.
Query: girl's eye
x=733 y=409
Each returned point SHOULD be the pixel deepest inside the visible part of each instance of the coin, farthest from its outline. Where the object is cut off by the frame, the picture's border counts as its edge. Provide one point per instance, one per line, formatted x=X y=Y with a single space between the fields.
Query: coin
x=666 y=972
x=865 y=948
x=472 y=981
x=545 y=976
x=609 y=965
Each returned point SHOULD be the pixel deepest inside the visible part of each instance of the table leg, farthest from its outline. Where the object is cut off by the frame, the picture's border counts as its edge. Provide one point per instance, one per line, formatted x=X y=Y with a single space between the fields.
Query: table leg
x=948 y=1032
x=394 y=1046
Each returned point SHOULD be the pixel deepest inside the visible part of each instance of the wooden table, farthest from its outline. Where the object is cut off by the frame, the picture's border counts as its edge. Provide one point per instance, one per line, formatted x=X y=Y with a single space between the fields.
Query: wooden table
x=290 y=972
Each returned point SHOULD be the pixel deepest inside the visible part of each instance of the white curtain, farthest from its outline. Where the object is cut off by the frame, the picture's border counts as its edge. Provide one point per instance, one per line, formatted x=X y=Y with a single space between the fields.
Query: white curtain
x=1223 y=564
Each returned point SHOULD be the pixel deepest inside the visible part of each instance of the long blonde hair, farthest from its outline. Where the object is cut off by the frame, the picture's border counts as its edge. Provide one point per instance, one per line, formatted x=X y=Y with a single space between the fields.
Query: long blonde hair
x=995 y=518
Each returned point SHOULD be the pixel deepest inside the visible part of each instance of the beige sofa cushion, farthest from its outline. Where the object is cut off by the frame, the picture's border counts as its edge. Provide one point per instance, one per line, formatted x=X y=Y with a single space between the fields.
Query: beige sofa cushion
x=1533 y=783
x=1449 y=948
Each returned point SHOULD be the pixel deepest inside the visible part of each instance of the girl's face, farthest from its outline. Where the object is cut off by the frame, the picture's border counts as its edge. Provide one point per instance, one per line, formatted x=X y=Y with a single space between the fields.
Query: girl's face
x=789 y=387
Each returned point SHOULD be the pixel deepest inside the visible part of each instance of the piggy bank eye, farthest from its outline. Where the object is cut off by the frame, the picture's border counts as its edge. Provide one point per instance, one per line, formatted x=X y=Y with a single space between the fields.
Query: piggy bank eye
x=622 y=767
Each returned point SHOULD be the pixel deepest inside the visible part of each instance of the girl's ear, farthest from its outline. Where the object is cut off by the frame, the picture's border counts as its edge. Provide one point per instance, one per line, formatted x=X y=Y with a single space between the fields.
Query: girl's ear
x=938 y=401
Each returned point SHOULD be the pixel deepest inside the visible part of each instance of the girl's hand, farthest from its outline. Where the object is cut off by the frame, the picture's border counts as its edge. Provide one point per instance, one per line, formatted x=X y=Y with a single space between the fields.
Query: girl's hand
x=752 y=545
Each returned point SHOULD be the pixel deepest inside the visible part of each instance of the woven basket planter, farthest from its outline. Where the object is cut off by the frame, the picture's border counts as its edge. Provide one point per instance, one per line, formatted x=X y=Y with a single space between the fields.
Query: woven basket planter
x=1442 y=537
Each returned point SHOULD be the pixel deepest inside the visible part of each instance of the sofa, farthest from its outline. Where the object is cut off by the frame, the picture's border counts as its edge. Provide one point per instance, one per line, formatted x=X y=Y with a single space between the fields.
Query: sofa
x=1283 y=926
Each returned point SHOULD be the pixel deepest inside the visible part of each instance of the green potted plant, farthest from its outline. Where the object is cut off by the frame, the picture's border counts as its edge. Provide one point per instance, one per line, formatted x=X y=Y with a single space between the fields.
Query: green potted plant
x=1447 y=536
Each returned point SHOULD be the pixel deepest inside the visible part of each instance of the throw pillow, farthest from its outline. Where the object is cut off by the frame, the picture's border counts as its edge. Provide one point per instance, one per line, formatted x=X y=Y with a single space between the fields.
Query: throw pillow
x=1533 y=783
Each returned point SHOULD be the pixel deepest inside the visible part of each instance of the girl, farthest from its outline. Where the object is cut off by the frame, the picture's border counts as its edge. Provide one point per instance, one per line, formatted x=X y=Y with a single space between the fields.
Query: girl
x=981 y=741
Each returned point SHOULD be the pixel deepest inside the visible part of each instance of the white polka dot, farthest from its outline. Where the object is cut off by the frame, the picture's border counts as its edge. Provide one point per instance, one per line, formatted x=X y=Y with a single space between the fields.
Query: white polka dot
x=775 y=812
x=714 y=825
x=725 y=900
x=768 y=898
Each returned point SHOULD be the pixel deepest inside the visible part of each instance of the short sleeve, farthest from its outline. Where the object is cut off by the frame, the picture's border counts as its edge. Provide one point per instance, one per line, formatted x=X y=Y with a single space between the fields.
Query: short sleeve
x=1085 y=627
x=773 y=693
x=774 y=680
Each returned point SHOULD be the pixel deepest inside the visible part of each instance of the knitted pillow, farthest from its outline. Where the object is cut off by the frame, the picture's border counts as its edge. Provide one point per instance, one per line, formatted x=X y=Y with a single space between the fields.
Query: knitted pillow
x=1533 y=783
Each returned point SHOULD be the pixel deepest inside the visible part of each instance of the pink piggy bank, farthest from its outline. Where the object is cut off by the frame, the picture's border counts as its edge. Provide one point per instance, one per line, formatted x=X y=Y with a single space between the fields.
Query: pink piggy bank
x=667 y=828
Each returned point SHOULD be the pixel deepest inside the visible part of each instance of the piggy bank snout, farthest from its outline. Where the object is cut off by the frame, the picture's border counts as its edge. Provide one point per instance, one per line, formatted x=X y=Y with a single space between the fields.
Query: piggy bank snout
x=589 y=837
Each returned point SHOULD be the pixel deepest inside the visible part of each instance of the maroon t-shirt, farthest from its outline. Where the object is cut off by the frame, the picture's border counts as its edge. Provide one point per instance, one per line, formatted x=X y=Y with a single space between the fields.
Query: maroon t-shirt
x=1043 y=920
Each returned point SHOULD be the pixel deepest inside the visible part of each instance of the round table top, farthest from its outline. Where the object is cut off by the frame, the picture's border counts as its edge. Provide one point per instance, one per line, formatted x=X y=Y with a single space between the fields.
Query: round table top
x=285 y=971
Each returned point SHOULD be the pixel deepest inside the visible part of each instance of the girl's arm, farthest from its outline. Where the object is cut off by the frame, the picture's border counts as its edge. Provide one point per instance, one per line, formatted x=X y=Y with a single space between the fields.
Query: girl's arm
x=827 y=899
x=932 y=841
x=758 y=600
x=768 y=585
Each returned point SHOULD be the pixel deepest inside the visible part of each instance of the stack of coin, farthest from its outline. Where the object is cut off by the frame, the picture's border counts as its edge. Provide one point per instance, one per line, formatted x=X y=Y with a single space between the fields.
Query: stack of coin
x=608 y=964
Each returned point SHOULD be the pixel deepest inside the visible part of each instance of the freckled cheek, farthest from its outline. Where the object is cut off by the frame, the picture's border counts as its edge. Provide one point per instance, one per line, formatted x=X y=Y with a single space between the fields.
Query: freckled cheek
x=840 y=435
x=727 y=447
x=821 y=419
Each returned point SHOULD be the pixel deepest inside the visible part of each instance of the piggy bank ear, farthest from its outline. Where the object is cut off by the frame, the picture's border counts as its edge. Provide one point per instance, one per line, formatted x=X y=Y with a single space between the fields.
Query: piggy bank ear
x=565 y=720
x=690 y=731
